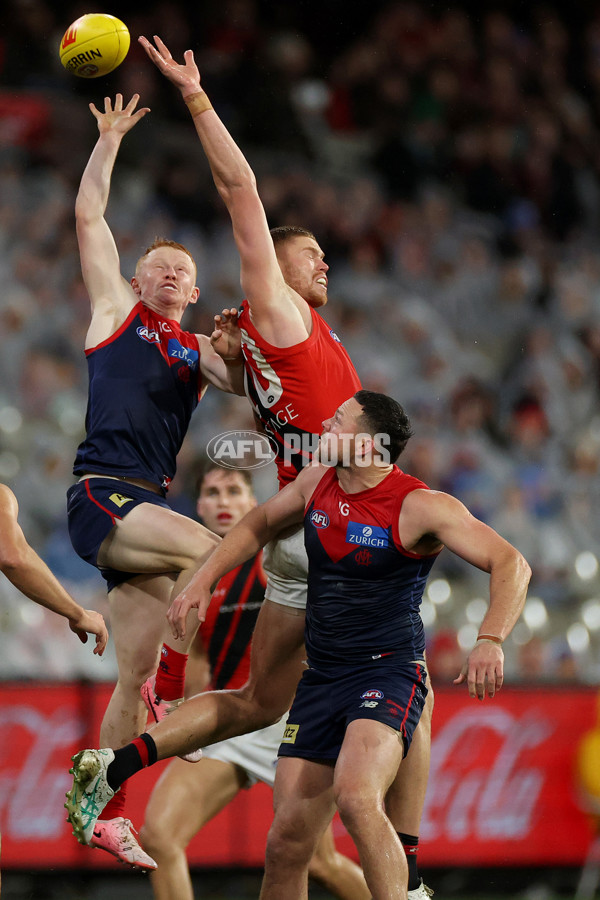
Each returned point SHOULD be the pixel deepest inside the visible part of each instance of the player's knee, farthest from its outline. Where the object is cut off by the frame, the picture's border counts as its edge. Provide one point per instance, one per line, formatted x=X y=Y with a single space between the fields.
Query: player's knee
x=356 y=807
x=161 y=844
x=263 y=710
x=287 y=845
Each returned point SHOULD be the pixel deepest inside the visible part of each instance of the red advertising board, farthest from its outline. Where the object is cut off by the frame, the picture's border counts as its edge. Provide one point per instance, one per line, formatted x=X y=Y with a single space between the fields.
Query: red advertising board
x=503 y=786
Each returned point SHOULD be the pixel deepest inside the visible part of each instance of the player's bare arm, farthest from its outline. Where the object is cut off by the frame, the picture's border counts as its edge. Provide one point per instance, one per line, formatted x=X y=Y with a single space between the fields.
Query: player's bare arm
x=243 y=542
x=278 y=312
x=217 y=371
x=30 y=575
x=111 y=296
x=430 y=519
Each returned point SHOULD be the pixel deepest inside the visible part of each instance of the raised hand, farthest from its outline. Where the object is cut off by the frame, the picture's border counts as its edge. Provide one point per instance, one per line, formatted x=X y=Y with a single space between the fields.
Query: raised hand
x=118 y=119
x=185 y=76
x=226 y=339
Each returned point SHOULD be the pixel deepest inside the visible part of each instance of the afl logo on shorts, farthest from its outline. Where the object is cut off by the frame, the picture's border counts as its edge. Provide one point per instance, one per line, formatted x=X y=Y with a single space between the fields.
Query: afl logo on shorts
x=319 y=518
x=373 y=694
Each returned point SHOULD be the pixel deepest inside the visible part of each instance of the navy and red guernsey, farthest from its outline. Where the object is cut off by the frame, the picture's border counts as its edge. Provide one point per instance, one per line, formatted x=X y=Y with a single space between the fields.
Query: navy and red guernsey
x=364 y=588
x=144 y=384
x=227 y=630
x=293 y=389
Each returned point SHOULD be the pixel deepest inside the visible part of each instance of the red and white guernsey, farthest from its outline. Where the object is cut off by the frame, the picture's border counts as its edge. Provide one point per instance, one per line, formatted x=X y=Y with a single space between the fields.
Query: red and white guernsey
x=293 y=389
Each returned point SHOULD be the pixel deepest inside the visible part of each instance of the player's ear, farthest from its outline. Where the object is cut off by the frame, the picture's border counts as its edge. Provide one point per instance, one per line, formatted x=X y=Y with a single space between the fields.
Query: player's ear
x=136 y=286
x=194 y=295
x=363 y=449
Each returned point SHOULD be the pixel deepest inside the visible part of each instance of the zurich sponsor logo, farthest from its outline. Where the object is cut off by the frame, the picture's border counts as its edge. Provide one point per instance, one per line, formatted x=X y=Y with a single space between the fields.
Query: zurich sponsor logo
x=319 y=518
x=367 y=535
x=373 y=694
x=175 y=350
x=148 y=334
x=335 y=337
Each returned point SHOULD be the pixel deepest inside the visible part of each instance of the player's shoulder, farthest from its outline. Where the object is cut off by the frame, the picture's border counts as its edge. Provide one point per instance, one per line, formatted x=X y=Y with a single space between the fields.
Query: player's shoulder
x=310 y=476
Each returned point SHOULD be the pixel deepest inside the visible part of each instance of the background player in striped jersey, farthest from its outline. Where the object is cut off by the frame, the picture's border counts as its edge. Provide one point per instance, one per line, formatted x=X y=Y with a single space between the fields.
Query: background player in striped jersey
x=187 y=797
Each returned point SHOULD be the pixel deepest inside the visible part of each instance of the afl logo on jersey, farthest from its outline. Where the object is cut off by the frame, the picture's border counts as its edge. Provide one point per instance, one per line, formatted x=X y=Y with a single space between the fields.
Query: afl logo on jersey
x=373 y=694
x=319 y=518
x=148 y=334
x=335 y=337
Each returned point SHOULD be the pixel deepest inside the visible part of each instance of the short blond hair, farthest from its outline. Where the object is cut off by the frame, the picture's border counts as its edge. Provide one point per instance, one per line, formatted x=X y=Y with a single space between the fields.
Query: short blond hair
x=163 y=242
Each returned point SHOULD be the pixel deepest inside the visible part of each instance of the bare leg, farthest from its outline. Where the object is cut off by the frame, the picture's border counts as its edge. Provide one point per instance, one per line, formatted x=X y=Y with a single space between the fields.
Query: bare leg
x=303 y=799
x=275 y=668
x=137 y=612
x=152 y=540
x=167 y=548
x=184 y=799
x=367 y=765
x=406 y=797
x=336 y=872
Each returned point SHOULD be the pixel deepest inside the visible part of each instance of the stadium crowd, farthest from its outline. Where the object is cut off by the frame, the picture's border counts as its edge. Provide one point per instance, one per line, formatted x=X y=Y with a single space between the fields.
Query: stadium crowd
x=446 y=158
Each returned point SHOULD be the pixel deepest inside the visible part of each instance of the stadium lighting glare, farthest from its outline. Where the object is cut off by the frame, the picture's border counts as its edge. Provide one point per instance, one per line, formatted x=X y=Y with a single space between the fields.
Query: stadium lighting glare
x=535 y=613
x=578 y=637
x=11 y=420
x=476 y=610
x=590 y=613
x=428 y=613
x=439 y=591
x=586 y=565
x=521 y=633
x=31 y=615
x=467 y=635
x=69 y=421
x=9 y=465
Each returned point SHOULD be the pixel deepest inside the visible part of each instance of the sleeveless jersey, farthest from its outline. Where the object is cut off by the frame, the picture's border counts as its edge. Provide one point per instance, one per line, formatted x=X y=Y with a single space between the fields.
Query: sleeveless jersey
x=293 y=389
x=227 y=631
x=144 y=384
x=364 y=588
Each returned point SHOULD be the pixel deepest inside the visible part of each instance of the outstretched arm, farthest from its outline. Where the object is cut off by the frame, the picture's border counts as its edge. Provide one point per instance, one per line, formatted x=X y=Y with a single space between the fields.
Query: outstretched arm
x=437 y=518
x=243 y=542
x=30 y=574
x=273 y=310
x=111 y=296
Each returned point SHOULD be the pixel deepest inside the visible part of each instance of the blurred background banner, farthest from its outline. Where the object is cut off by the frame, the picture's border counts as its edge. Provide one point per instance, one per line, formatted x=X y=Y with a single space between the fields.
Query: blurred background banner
x=505 y=783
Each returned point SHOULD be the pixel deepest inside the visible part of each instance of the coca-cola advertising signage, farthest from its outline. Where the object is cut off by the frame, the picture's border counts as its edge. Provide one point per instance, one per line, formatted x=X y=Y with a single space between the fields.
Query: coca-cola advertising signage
x=503 y=786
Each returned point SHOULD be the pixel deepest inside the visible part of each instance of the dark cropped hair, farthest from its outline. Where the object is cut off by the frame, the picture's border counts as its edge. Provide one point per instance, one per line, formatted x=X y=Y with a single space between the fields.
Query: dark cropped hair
x=285 y=232
x=210 y=466
x=383 y=415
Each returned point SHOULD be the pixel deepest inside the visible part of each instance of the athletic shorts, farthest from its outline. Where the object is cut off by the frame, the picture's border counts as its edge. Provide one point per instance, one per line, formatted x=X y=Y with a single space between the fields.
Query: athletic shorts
x=255 y=753
x=93 y=507
x=286 y=564
x=325 y=703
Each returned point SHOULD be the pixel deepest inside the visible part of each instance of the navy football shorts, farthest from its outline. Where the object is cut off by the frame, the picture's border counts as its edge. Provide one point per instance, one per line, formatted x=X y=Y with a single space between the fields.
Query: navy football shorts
x=93 y=507
x=325 y=703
